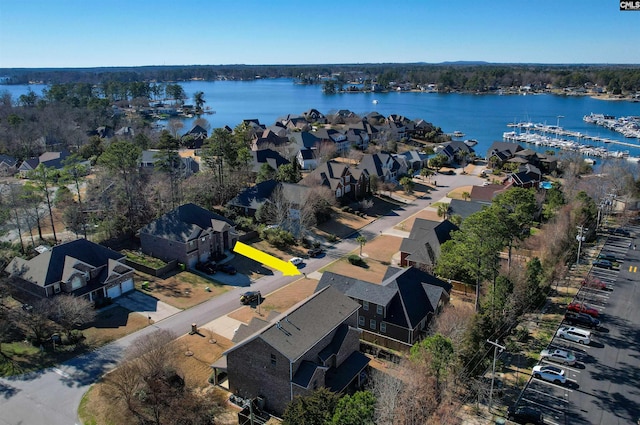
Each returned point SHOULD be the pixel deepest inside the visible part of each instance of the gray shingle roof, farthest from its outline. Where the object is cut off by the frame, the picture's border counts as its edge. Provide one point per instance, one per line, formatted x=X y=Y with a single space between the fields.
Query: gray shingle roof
x=186 y=223
x=48 y=267
x=304 y=325
x=358 y=289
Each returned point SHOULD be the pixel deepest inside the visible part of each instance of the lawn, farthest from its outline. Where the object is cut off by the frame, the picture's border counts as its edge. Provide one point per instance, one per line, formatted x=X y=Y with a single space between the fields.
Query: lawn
x=374 y=273
x=381 y=248
x=457 y=192
x=182 y=290
x=342 y=224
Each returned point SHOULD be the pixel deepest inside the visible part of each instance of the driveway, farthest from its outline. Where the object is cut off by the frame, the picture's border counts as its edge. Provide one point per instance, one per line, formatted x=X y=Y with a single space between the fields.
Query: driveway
x=146 y=305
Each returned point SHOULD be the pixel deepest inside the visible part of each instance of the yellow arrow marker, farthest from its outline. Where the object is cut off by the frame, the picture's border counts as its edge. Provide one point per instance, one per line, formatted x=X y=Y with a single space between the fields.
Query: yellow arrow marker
x=287 y=268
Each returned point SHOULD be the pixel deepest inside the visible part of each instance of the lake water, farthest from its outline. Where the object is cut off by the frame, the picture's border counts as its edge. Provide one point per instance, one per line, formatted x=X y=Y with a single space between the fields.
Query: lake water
x=480 y=117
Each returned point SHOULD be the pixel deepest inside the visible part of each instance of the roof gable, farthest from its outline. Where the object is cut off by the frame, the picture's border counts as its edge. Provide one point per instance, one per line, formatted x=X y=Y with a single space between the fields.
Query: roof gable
x=186 y=223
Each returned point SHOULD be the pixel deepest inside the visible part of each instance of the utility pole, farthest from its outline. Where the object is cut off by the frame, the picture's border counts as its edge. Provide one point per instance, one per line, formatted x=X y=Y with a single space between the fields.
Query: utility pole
x=496 y=346
x=580 y=238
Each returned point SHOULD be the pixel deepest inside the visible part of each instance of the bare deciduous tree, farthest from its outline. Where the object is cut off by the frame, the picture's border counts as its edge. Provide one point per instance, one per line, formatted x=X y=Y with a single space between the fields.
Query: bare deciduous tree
x=71 y=312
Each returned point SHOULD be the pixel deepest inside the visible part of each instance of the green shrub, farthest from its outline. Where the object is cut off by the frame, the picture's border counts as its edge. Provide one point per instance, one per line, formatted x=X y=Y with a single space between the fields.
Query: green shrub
x=278 y=238
x=356 y=261
x=331 y=237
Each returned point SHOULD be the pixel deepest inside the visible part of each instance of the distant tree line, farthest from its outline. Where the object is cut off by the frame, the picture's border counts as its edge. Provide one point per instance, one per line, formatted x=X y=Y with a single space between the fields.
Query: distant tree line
x=478 y=77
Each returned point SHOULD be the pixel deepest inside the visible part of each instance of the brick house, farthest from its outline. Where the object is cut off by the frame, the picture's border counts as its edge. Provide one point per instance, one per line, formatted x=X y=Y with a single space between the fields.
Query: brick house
x=395 y=313
x=340 y=178
x=80 y=268
x=188 y=234
x=314 y=344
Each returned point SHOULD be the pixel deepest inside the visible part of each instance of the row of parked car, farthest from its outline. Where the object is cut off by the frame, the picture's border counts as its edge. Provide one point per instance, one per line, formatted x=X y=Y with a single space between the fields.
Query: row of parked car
x=580 y=319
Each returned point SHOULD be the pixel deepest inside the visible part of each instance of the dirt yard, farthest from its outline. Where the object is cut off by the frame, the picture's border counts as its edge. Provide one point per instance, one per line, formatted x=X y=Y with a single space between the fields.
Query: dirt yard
x=457 y=192
x=427 y=214
x=374 y=273
x=279 y=301
x=182 y=290
x=342 y=224
x=381 y=248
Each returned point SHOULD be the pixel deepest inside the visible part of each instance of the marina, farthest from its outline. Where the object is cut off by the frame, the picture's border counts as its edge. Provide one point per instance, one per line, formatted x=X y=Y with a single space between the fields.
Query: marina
x=556 y=137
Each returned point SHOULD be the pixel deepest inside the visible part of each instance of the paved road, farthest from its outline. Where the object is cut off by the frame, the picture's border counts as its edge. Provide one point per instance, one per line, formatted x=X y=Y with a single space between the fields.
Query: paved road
x=52 y=396
x=604 y=384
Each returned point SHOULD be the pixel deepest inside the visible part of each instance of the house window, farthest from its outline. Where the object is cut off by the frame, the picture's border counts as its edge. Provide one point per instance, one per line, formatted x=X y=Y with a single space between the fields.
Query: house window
x=372 y=323
x=273 y=359
x=383 y=327
x=360 y=320
x=380 y=310
x=365 y=305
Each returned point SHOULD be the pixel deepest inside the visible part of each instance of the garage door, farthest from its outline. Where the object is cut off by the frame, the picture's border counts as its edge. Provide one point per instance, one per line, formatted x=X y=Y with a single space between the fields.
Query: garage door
x=127 y=286
x=114 y=292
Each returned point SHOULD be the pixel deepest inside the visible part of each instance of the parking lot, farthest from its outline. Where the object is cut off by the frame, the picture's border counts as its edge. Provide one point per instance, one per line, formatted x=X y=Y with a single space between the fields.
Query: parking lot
x=603 y=386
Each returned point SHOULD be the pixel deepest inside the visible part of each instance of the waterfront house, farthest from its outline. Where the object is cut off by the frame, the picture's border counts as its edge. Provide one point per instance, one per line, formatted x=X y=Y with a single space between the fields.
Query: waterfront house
x=188 y=234
x=527 y=176
x=195 y=137
x=80 y=268
x=313 y=344
x=395 y=313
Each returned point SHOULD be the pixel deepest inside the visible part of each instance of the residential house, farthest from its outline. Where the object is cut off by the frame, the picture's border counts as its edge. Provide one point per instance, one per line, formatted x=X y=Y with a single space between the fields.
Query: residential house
x=421 y=129
x=187 y=166
x=487 y=193
x=422 y=247
x=412 y=160
x=465 y=208
x=252 y=198
x=339 y=177
x=53 y=160
x=80 y=268
x=125 y=132
x=396 y=312
x=334 y=137
x=455 y=150
x=307 y=158
x=357 y=137
x=188 y=234
x=195 y=137
x=499 y=152
x=314 y=344
x=315 y=116
x=527 y=176
x=8 y=165
x=273 y=136
x=267 y=156
x=383 y=165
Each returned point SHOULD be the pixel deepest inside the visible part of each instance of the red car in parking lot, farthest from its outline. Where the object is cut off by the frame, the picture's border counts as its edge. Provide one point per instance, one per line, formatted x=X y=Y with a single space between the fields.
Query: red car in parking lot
x=583 y=308
x=595 y=283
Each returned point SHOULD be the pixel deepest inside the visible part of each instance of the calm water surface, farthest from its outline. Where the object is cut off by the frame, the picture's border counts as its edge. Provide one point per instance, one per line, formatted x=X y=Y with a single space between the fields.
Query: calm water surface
x=480 y=117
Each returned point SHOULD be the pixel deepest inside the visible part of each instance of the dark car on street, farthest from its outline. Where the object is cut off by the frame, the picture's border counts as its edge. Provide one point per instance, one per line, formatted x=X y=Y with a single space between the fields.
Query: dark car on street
x=315 y=252
x=525 y=415
x=208 y=268
x=581 y=319
x=251 y=297
x=226 y=268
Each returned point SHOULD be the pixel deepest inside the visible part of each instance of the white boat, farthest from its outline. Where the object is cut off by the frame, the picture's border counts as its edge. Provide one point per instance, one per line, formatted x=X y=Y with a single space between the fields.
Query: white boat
x=374 y=101
x=458 y=134
x=470 y=142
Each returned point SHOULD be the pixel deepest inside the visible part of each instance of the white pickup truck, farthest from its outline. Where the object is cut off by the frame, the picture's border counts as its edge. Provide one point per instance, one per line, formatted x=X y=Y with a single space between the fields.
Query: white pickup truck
x=558 y=356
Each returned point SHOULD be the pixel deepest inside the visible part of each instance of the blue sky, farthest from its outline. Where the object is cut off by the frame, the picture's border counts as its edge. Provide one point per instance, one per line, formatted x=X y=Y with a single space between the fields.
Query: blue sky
x=90 y=33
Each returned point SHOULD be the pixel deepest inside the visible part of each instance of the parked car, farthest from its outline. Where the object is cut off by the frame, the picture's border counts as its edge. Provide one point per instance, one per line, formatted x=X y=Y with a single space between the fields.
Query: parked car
x=208 y=267
x=595 y=283
x=579 y=307
x=250 y=297
x=621 y=232
x=578 y=335
x=226 y=268
x=558 y=356
x=581 y=319
x=604 y=264
x=549 y=373
x=525 y=415
x=296 y=261
x=315 y=252
x=608 y=257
